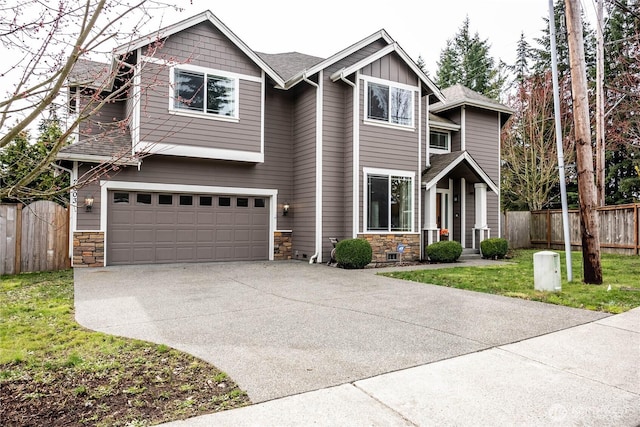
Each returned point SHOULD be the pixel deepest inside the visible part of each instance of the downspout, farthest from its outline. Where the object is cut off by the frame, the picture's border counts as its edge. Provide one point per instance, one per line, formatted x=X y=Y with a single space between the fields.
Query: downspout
x=315 y=256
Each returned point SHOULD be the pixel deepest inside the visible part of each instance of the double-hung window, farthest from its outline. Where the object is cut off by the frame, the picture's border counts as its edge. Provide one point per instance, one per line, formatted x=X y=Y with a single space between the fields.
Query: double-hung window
x=389 y=104
x=389 y=202
x=207 y=92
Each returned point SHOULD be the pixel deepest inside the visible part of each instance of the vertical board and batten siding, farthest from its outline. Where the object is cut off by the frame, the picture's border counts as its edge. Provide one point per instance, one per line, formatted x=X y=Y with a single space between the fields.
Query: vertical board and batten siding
x=482 y=141
x=304 y=171
x=205 y=46
x=334 y=219
x=391 y=67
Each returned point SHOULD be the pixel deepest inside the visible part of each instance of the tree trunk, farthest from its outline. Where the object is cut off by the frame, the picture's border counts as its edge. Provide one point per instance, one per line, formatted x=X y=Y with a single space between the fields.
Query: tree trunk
x=584 y=153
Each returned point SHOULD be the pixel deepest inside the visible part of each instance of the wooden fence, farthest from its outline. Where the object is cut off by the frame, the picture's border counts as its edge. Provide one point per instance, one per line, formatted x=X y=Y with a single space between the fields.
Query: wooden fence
x=619 y=229
x=33 y=237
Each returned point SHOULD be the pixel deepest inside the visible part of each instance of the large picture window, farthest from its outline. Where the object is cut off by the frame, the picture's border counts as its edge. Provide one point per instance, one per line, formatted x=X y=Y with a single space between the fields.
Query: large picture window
x=389 y=104
x=389 y=203
x=205 y=93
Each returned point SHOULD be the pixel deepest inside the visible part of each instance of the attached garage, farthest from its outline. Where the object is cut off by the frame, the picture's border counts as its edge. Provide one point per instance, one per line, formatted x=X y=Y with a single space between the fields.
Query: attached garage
x=155 y=227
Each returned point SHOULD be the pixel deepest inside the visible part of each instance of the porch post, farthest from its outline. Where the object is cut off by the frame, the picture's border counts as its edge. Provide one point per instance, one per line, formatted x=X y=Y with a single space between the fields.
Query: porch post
x=481 y=212
x=430 y=225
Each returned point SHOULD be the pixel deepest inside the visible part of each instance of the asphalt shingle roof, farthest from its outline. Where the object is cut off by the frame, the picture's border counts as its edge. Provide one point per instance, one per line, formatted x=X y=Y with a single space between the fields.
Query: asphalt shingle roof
x=289 y=64
x=108 y=141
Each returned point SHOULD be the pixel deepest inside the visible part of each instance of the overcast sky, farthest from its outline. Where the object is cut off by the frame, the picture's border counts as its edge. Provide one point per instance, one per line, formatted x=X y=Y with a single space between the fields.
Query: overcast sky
x=421 y=27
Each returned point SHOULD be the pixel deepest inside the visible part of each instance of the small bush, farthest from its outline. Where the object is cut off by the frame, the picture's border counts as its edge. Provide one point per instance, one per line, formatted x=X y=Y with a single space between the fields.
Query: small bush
x=353 y=253
x=495 y=248
x=445 y=251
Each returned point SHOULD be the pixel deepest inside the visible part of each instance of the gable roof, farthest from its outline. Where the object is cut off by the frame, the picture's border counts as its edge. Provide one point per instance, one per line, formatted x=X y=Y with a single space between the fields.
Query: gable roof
x=393 y=47
x=190 y=22
x=290 y=63
x=458 y=95
x=298 y=77
x=459 y=163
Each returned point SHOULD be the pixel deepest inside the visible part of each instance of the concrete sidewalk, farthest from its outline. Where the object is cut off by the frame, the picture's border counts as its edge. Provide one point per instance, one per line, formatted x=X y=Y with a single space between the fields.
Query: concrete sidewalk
x=584 y=375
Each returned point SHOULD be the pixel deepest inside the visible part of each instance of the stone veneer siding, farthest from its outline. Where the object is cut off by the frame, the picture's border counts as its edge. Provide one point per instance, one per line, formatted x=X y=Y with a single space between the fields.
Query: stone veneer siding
x=88 y=249
x=282 y=244
x=381 y=244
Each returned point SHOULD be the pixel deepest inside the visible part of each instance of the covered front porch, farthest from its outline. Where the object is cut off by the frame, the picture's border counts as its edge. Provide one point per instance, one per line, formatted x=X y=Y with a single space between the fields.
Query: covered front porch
x=455 y=190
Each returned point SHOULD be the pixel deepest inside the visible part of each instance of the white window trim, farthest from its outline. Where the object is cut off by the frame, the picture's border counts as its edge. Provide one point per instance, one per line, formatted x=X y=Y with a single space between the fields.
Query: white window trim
x=365 y=199
x=434 y=150
x=208 y=71
x=388 y=123
x=106 y=186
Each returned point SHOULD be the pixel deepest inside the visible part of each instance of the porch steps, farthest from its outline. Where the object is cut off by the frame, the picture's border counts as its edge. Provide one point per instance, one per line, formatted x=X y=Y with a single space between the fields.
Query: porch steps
x=470 y=254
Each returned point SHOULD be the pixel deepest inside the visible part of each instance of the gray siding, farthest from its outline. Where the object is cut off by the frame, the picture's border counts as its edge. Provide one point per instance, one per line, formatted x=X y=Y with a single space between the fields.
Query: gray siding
x=388 y=148
x=356 y=56
x=456 y=136
x=304 y=171
x=88 y=220
x=274 y=173
x=391 y=67
x=109 y=113
x=335 y=96
x=482 y=142
x=202 y=45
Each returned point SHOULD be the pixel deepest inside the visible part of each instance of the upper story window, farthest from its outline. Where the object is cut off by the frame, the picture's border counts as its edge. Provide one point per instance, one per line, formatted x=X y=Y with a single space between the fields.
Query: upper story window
x=439 y=140
x=205 y=92
x=389 y=103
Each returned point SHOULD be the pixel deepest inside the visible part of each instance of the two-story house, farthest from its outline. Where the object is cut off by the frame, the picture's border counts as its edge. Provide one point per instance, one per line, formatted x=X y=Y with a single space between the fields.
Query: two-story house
x=218 y=152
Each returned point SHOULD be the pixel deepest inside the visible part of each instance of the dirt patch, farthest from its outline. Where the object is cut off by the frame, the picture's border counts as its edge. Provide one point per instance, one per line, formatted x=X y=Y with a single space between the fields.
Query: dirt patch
x=140 y=394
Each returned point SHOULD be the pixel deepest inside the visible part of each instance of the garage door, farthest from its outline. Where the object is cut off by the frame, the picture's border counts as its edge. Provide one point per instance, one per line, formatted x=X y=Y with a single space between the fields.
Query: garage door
x=147 y=228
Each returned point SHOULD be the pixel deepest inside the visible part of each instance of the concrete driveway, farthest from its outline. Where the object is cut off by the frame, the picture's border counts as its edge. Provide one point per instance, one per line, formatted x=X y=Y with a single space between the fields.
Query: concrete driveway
x=282 y=328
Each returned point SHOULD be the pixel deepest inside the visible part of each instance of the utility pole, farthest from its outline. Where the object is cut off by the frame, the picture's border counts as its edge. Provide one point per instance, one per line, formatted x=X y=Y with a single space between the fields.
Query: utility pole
x=600 y=142
x=559 y=148
x=589 y=226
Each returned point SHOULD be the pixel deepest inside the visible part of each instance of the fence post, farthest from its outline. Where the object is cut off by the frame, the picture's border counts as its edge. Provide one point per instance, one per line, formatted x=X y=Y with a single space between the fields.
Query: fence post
x=548 y=229
x=635 y=228
x=18 y=256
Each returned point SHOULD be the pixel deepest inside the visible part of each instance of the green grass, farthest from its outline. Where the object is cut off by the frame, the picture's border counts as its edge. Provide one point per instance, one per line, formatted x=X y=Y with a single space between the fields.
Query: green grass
x=55 y=372
x=515 y=279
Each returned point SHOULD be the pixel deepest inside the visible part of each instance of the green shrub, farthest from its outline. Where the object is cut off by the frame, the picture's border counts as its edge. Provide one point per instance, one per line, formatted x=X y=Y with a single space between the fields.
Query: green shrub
x=445 y=251
x=495 y=248
x=353 y=253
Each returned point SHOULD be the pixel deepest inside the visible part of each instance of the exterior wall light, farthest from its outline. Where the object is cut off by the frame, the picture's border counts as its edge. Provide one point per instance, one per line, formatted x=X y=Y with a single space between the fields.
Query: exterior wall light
x=88 y=203
x=285 y=209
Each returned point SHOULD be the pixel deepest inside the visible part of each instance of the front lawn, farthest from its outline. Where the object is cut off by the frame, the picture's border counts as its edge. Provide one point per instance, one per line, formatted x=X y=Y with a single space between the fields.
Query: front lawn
x=54 y=372
x=515 y=279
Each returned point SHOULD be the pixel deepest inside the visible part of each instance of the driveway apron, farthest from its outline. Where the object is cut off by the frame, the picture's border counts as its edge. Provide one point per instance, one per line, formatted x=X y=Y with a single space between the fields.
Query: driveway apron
x=282 y=328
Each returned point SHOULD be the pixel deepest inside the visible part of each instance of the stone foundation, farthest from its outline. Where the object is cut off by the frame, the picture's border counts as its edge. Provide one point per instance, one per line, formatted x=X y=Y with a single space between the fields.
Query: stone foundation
x=282 y=245
x=381 y=244
x=88 y=249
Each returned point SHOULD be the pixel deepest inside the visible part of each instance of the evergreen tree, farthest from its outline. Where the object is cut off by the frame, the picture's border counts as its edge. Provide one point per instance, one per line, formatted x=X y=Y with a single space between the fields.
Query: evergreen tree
x=524 y=55
x=20 y=157
x=466 y=60
x=622 y=100
x=542 y=54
